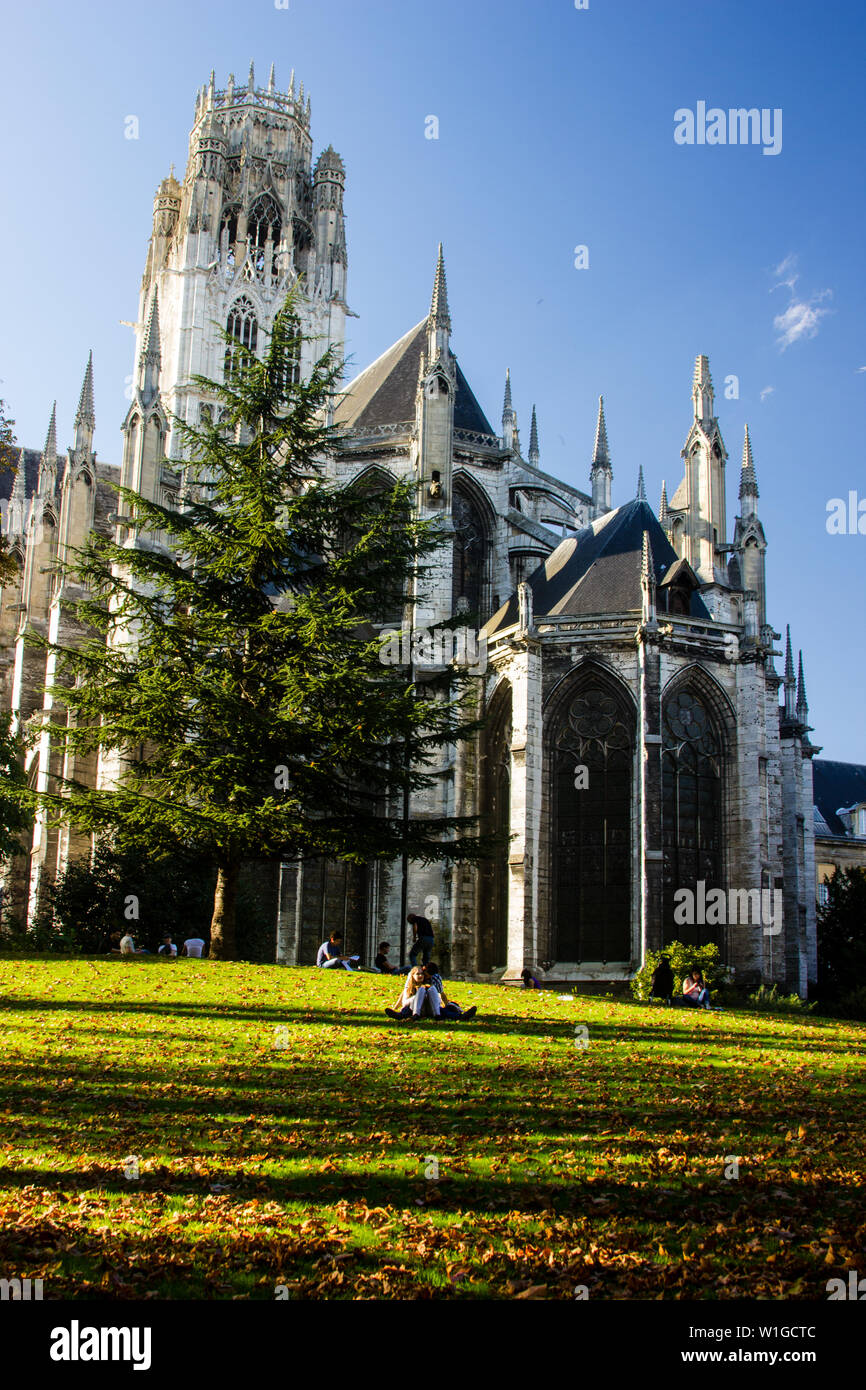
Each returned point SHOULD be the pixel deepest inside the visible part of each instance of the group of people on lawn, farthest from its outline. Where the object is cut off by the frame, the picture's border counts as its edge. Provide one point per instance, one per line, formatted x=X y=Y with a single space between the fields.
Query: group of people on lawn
x=123 y=944
x=695 y=990
x=423 y=994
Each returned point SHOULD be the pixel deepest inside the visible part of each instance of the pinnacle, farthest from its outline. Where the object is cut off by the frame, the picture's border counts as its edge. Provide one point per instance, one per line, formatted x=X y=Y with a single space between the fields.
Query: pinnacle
x=271 y=79
x=641 y=488
x=506 y=406
x=439 y=316
x=49 y=453
x=702 y=372
x=601 y=452
x=802 y=702
x=748 y=477
x=646 y=559
x=84 y=415
x=664 y=510
x=19 y=489
x=150 y=346
x=534 y=454
x=789 y=658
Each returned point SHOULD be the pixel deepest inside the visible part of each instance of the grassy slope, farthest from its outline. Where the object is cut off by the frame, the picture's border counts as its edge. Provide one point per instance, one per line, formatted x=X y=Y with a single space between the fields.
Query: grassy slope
x=299 y=1156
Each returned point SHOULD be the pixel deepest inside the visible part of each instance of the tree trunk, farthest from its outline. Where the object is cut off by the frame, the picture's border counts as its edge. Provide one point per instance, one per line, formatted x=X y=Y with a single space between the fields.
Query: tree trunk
x=222 y=927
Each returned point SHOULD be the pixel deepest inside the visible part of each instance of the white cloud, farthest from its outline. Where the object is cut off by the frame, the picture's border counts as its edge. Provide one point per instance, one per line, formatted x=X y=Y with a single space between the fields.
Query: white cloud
x=785 y=273
x=800 y=319
x=767 y=391
x=861 y=369
x=804 y=313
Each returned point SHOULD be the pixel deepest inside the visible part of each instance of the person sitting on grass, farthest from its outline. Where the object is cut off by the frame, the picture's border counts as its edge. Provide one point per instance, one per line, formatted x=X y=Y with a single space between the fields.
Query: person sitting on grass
x=449 y=1009
x=193 y=947
x=125 y=946
x=382 y=963
x=418 y=999
x=530 y=981
x=662 y=983
x=695 y=991
x=168 y=948
x=330 y=954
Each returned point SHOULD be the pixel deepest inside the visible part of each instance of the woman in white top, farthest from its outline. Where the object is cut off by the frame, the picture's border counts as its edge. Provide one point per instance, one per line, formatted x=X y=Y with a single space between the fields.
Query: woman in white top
x=415 y=994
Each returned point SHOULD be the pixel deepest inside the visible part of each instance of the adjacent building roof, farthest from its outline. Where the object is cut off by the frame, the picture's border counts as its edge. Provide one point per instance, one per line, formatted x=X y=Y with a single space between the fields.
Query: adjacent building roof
x=837 y=787
x=384 y=393
x=32 y=460
x=598 y=570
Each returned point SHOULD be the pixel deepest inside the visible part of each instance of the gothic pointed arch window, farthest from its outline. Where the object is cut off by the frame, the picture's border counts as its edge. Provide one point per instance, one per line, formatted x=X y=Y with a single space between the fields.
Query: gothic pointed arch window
x=692 y=767
x=228 y=238
x=592 y=774
x=471 y=560
x=263 y=224
x=242 y=325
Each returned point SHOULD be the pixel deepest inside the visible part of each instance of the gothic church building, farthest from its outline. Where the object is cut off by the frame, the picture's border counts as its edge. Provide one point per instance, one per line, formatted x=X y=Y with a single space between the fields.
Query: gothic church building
x=638 y=739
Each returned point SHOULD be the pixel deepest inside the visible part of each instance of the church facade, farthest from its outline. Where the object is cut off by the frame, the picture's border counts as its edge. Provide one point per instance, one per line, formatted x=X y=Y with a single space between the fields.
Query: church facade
x=647 y=782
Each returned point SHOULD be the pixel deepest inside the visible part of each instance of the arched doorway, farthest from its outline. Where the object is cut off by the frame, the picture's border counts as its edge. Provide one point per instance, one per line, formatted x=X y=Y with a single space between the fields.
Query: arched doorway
x=591 y=752
x=692 y=763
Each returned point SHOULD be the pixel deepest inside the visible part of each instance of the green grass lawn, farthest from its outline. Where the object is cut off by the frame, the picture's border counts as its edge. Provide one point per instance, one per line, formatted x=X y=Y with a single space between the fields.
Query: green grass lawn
x=287 y=1133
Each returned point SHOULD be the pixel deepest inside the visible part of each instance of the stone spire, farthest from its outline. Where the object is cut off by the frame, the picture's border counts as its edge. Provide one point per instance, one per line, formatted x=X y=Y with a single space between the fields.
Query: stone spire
x=48 y=464
x=601 y=472
x=601 y=451
x=702 y=391
x=664 y=510
x=439 y=316
x=790 y=679
x=272 y=79
x=150 y=358
x=85 y=417
x=509 y=416
x=748 y=477
x=641 y=488
x=647 y=579
x=802 y=702
x=534 y=455
x=18 y=500
x=251 y=84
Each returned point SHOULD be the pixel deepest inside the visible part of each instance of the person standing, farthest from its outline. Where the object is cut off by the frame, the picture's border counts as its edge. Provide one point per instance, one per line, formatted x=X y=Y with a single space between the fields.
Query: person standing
x=422 y=938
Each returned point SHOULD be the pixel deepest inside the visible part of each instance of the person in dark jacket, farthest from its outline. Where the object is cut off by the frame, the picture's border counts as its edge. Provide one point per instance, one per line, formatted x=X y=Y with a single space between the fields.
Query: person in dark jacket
x=662 y=985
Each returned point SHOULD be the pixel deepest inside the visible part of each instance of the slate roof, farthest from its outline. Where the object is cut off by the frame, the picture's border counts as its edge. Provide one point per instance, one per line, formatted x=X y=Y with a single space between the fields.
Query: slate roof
x=598 y=570
x=32 y=460
x=384 y=393
x=836 y=787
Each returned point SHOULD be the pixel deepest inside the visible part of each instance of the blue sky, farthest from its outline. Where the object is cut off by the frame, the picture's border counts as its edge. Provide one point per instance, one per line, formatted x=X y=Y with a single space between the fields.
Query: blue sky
x=555 y=130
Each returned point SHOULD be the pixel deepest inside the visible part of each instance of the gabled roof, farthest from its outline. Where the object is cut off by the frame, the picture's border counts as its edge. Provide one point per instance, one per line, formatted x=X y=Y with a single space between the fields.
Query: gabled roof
x=837 y=786
x=598 y=570
x=384 y=393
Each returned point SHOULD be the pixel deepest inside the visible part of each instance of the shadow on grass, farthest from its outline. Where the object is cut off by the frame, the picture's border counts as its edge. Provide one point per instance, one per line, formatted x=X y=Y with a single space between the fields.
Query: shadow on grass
x=692 y=1025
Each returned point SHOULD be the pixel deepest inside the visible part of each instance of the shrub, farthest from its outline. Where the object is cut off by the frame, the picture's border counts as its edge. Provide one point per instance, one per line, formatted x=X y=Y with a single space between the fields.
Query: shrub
x=850 y=1005
x=774 y=1002
x=683 y=958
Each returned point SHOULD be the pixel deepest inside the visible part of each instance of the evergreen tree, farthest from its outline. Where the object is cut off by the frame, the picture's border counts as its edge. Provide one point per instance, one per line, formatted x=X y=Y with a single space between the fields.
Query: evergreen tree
x=841 y=934
x=9 y=456
x=230 y=672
